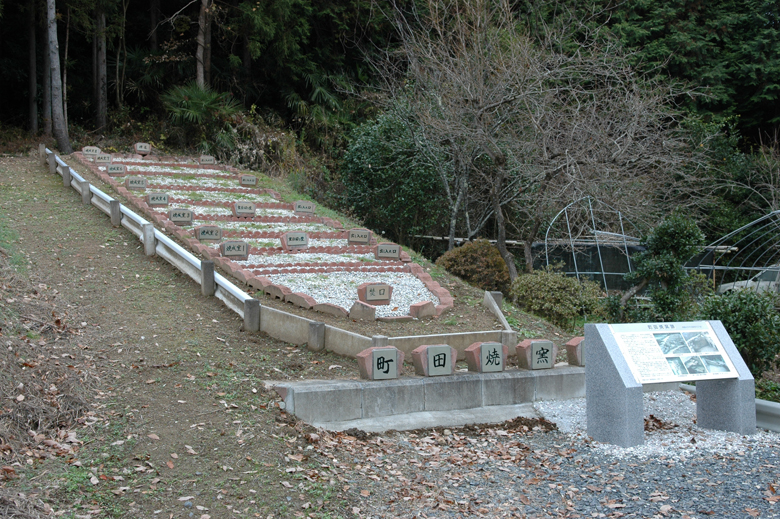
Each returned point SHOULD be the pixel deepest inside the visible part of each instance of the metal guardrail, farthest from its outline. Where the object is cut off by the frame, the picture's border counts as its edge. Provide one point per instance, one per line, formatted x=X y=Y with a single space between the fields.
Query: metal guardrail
x=767 y=413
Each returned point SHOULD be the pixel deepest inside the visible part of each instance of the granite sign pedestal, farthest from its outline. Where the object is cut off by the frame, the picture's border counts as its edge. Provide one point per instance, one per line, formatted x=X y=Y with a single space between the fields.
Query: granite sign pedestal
x=619 y=359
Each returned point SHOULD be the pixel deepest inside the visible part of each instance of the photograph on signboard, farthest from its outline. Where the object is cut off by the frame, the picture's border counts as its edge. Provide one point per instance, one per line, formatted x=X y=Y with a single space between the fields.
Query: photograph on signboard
x=673 y=352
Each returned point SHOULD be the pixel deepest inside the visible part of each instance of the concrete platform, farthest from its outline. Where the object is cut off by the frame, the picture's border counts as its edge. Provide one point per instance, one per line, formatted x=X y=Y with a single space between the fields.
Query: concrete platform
x=409 y=402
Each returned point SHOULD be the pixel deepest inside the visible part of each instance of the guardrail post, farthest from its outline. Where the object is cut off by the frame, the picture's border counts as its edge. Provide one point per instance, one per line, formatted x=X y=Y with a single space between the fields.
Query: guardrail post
x=251 y=315
x=116 y=213
x=86 y=195
x=316 y=337
x=150 y=245
x=377 y=341
x=66 y=177
x=52 y=163
x=207 y=284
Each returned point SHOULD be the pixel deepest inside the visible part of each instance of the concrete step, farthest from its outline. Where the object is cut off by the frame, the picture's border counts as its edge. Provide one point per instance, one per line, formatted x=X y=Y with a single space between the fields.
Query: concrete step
x=333 y=403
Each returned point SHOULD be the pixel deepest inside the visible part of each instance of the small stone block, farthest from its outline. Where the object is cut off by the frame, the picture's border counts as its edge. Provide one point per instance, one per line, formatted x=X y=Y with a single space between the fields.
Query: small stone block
x=208 y=233
x=244 y=209
x=206 y=160
x=300 y=299
x=486 y=357
x=422 y=309
x=358 y=237
x=138 y=183
x=116 y=170
x=536 y=354
x=90 y=151
x=433 y=360
x=103 y=158
x=362 y=311
x=156 y=199
x=294 y=240
x=380 y=363
x=387 y=251
x=180 y=216
x=234 y=249
x=574 y=351
x=376 y=294
x=278 y=291
x=331 y=309
x=248 y=180
x=142 y=148
x=304 y=207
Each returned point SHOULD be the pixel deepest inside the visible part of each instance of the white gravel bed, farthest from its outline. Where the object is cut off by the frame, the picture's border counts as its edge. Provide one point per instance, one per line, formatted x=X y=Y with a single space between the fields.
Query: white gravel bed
x=303 y=257
x=281 y=227
x=678 y=443
x=223 y=197
x=178 y=169
x=182 y=182
x=208 y=209
x=340 y=288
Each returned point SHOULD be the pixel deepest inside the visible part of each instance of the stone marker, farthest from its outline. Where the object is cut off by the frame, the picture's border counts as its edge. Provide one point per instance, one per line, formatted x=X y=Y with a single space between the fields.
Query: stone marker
x=574 y=351
x=380 y=363
x=244 y=209
x=208 y=233
x=387 y=251
x=116 y=170
x=303 y=207
x=248 y=180
x=206 y=160
x=157 y=199
x=376 y=294
x=422 y=310
x=294 y=240
x=103 y=158
x=362 y=311
x=486 y=357
x=536 y=354
x=358 y=237
x=433 y=360
x=180 y=216
x=90 y=151
x=135 y=183
x=142 y=148
x=234 y=249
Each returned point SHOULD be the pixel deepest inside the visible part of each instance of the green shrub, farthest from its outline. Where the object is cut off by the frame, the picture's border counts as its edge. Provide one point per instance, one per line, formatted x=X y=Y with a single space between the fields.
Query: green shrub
x=201 y=115
x=753 y=322
x=558 y=298
x=479 y=263
x=767 y=390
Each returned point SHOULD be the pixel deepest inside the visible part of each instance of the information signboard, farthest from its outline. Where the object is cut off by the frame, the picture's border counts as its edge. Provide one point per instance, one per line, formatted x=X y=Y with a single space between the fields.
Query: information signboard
x=673 y=352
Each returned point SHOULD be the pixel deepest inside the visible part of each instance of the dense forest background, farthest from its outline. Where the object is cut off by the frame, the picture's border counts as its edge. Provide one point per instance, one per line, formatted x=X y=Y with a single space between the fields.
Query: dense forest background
x=342 y=99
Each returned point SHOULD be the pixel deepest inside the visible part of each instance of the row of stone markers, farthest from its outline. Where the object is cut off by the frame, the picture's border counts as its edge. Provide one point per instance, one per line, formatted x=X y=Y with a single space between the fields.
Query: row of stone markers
x=249 y=232
x=434 y=360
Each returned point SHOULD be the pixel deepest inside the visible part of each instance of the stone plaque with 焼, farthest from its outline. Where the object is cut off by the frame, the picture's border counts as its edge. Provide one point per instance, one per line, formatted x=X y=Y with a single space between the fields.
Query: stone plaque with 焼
x=135 y=183
x=248 y=180
x=358 y=237
x=180 y=216
x=387 y=251
x=486 y=357
x=234 y=249
x=206 y=160
x=90 y=151
x=116 y=170
x=304 y=207
x=294 y=240
x=208 y=233
x=376 y=294
x=244 y=209
x=157 y=199
x=142 y=148
x=103 y=158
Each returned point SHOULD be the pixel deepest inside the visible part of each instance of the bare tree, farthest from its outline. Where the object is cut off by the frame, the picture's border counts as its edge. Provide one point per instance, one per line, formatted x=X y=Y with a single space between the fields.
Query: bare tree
x=57 y=114
x=528 y=123
x=203 y=52
x=101 y=70
x=32 y=71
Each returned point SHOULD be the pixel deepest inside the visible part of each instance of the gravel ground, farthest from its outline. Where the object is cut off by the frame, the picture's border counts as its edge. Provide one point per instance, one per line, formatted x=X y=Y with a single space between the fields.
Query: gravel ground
x=520 y=471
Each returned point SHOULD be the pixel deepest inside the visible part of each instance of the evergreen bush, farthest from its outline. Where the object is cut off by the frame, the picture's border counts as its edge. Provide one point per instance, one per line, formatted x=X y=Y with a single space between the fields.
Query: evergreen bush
x=479 y=263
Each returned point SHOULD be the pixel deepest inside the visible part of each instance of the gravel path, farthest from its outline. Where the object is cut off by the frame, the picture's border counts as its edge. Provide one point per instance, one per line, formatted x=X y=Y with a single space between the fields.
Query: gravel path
x=517 y=471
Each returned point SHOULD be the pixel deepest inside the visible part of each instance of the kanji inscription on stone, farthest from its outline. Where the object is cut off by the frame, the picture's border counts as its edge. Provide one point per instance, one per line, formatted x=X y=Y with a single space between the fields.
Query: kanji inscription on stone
x=541 y=355
x=248 y=180
x=90 y=150
x=208 y=233
x=143 y=148
x=234 y=249
x=388 y=251
x=359 y=237
x=157 y=199
x=295 y=240
x=135 y=183
x=439 y=360
x=115 y=170
x=180 y=216
x=103 y=158
x=385 y=364
x=378 y=292
x=206 y=160
x=244 y=209
x=304 y=207
x=492 y=356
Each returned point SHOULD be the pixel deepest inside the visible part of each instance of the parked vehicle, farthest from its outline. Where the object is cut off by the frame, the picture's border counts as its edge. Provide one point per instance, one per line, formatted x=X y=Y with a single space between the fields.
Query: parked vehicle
x=767 y=280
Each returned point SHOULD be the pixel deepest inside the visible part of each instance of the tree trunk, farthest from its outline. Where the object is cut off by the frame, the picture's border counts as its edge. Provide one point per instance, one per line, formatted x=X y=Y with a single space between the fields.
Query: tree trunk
x=46 y=85
x=33 y=72
x=101 y=94
x=154 y=19
x=247 y=57
x=509 y=258
x=57 y=114
x=207 y=47
x=200 y=74
x=65 y=71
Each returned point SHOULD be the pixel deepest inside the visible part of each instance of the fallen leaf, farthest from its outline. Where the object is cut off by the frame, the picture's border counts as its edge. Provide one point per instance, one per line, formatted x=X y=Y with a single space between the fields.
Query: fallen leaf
x=174 y=455
x=186 y=498
x=153 y=436
x=170 y=464
x=752 y=512
x=365 y=493
x=286 y=484
x=150 y=381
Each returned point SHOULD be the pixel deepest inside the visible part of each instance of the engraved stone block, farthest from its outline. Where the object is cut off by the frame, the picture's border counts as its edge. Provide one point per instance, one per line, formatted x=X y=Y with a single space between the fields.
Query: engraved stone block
x=142 y=148
x=387 y=251
x=244 y=209
x=116 y=170
x=208 y=233
x=358 y=237
x=135 y=183
x=248 y=180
